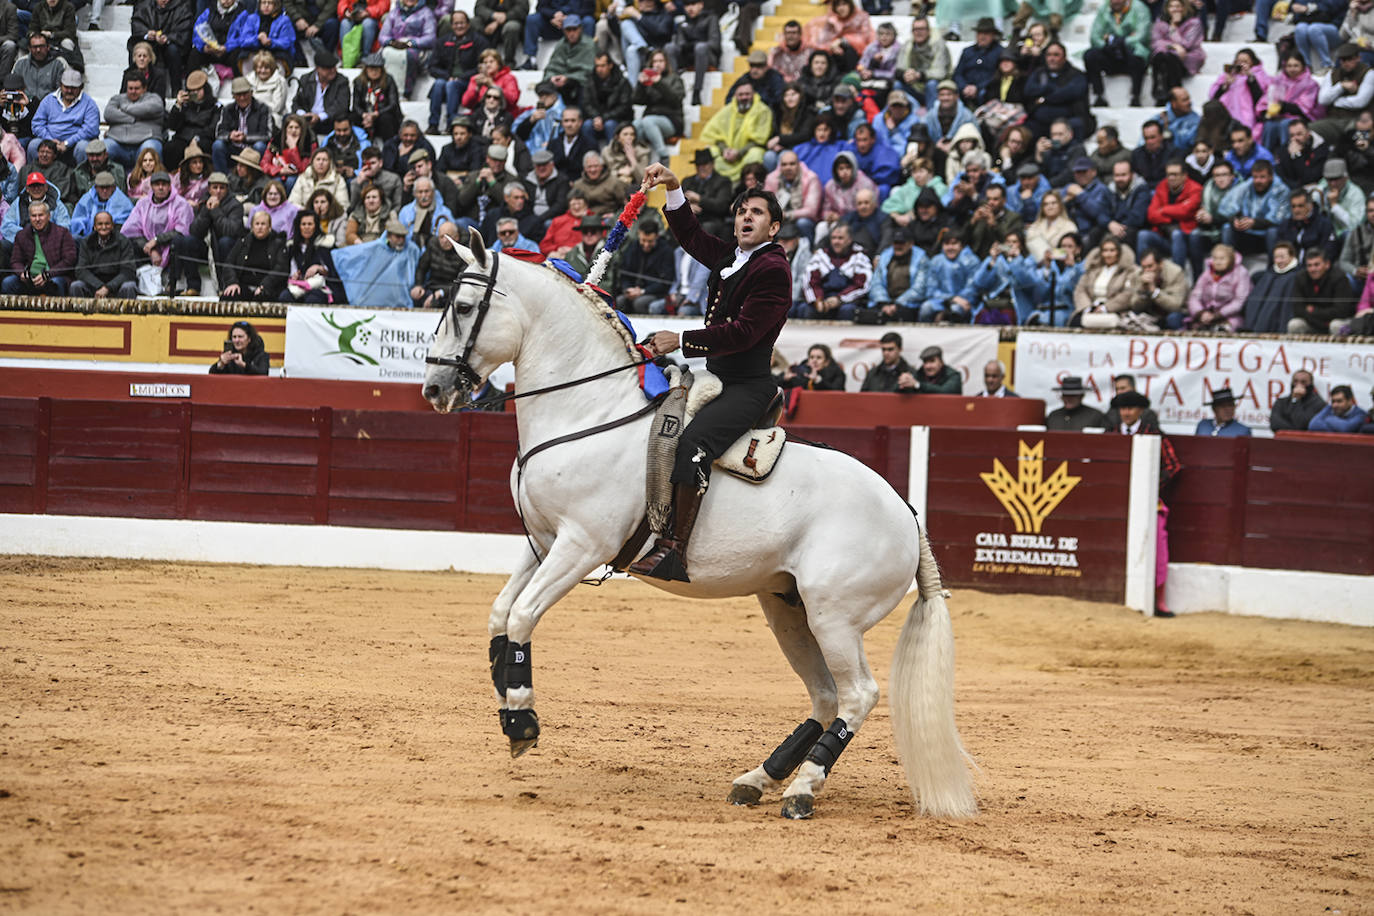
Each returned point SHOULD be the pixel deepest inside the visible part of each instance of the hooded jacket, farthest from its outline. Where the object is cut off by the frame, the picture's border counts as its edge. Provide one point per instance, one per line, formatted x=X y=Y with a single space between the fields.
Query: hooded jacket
x=1267 y=209
x=159 y=221
x=804 y=202
x=119 y=206
x=838 y=197
x=1224 y=295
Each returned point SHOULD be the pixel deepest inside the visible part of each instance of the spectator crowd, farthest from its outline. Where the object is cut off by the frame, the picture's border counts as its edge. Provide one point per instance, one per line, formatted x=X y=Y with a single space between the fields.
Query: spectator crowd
x=917 y=184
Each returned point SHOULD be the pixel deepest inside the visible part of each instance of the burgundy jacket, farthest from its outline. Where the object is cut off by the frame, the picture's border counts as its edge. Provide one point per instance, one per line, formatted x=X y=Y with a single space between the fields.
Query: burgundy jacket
x=58 y=247
x=745 y=314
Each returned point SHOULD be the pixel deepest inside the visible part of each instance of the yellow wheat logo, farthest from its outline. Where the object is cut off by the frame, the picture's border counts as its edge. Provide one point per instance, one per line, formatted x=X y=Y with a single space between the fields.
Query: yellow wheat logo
x=1028 y=498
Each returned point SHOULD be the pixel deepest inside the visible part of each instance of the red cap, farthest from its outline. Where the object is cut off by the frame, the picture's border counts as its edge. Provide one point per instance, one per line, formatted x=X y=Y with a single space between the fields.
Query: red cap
x=36 y=178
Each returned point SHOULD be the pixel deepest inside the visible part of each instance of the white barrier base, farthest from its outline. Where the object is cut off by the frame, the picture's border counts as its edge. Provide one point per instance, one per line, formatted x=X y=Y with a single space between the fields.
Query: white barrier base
x=265 y=545
x=1193 y=587
x=1281 y=593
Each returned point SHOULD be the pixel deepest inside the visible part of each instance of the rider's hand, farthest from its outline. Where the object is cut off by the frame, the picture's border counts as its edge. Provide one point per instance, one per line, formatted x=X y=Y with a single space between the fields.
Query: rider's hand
x=659 y=174
x=663 y=342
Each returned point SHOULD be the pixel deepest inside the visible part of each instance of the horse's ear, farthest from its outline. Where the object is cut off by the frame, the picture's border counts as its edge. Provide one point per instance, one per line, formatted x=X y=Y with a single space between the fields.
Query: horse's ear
x=478 y=247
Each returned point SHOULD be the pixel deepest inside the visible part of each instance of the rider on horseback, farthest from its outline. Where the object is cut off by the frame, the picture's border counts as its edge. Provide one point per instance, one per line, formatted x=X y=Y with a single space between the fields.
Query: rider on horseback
x=748 y=295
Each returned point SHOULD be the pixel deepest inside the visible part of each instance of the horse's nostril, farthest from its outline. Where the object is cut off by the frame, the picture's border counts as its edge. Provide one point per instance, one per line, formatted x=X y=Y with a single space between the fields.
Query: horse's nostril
x=431 y=392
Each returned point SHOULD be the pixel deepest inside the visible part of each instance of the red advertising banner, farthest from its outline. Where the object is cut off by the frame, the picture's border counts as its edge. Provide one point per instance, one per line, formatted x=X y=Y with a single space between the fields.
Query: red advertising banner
x=1030 y=511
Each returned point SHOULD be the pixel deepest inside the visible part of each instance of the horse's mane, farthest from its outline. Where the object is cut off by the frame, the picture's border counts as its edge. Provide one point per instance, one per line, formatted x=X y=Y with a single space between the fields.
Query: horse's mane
x=598 y=306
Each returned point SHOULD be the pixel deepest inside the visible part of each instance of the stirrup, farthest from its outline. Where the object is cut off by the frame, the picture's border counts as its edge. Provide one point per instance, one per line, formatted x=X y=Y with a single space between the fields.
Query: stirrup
x=663 y=562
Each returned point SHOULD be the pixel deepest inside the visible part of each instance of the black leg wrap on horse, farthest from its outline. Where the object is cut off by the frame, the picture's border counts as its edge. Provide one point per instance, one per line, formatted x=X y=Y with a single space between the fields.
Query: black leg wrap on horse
x=518 y=672
x=790 y=754
x=830 y=745
x=520 y=724
x=496 y=657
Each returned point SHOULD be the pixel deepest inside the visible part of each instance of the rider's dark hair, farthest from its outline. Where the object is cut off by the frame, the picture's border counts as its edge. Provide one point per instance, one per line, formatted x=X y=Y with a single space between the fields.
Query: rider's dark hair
x=769 y=200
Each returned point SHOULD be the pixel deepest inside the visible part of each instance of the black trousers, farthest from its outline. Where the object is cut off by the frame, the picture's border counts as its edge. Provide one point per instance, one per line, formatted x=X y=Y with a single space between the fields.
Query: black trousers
x=1099 y=61
x=718 y=425
x=1169 y=73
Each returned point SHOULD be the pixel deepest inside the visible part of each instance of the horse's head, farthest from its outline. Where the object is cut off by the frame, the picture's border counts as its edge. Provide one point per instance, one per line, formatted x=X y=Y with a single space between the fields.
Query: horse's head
x=478 y=330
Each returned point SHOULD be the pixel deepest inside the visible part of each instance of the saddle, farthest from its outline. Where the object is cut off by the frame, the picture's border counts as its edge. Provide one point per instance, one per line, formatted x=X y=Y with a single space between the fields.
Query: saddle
x=754 y=454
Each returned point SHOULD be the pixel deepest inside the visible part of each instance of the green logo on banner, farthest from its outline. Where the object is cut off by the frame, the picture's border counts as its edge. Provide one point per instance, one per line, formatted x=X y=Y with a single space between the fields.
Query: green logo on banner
x=354 y=333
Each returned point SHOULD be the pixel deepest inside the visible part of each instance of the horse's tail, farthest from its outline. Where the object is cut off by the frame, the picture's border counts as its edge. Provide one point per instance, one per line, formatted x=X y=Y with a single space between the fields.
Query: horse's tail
x=922 y=700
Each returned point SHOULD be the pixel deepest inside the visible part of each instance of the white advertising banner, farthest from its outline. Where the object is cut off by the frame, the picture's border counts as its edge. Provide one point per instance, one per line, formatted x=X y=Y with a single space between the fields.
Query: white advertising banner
x=1179 y=374
x=374 y=345
x=385 y=345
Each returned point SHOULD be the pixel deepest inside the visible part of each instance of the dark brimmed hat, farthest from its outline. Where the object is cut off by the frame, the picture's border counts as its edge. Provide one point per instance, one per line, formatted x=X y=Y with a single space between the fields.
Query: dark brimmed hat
x=1130 y=399
x=1072 y=384
x=1084 y=164
x=1347 y=50
x=789 y=230
x=987 y=24
x=932 y=352
x=902 y=234
x=591 y=223
x=544 y=87
x=326 y=60
x=703 y=157
x=1221 y=396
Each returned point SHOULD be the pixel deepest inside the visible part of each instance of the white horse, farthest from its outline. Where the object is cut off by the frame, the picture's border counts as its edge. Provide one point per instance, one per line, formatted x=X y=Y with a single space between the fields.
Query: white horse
x=825 y=544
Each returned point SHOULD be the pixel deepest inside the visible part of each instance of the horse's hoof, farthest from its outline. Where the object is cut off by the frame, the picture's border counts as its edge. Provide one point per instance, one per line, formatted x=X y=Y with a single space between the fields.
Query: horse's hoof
x=518 y=746
x=744 y=796
x=798 y=807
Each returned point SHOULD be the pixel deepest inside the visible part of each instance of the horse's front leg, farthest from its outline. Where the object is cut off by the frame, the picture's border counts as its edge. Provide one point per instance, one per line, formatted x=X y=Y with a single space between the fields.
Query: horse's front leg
x=569 y=561
x=497 y=621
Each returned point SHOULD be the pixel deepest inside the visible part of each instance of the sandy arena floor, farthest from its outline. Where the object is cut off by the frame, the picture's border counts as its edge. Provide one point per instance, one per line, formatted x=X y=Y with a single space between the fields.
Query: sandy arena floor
x=181 y=738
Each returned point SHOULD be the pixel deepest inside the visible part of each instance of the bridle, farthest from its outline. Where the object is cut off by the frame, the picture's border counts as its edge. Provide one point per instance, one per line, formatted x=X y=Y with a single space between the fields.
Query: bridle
x=456 y=308
x=462 y=364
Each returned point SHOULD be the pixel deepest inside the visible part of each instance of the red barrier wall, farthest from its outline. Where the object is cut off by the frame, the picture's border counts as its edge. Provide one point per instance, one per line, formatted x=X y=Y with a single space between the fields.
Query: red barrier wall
x=1287 y=503
x=867 y=410
x=1281 y=503
x=382 y=469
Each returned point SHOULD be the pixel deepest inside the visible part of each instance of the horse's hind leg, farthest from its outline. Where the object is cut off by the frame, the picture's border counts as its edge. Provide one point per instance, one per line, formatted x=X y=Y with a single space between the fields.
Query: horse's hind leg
x=841 y=643
x=788 y=623
x=565 y=565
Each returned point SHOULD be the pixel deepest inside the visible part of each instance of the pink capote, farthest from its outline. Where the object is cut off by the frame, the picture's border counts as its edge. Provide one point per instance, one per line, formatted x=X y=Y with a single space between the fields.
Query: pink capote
x=149 y=219
x=1237 y=99
x=1301 y=92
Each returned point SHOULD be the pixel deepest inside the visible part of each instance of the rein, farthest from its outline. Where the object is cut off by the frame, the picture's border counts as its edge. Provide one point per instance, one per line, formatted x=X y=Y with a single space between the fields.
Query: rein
x=470 y=375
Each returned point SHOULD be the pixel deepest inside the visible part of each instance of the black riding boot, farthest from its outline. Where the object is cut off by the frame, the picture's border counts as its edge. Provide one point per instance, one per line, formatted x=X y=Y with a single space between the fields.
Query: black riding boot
x=668 y=558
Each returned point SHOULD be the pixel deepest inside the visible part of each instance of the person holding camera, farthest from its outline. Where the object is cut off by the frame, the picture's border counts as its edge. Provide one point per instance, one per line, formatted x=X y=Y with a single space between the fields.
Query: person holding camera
x=244 y=352
x=1120 y=44
x=43 y=257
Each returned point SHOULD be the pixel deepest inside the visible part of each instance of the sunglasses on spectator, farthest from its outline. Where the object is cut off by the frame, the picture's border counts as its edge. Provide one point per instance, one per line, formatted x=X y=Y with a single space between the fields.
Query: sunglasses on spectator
x=505 y=232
